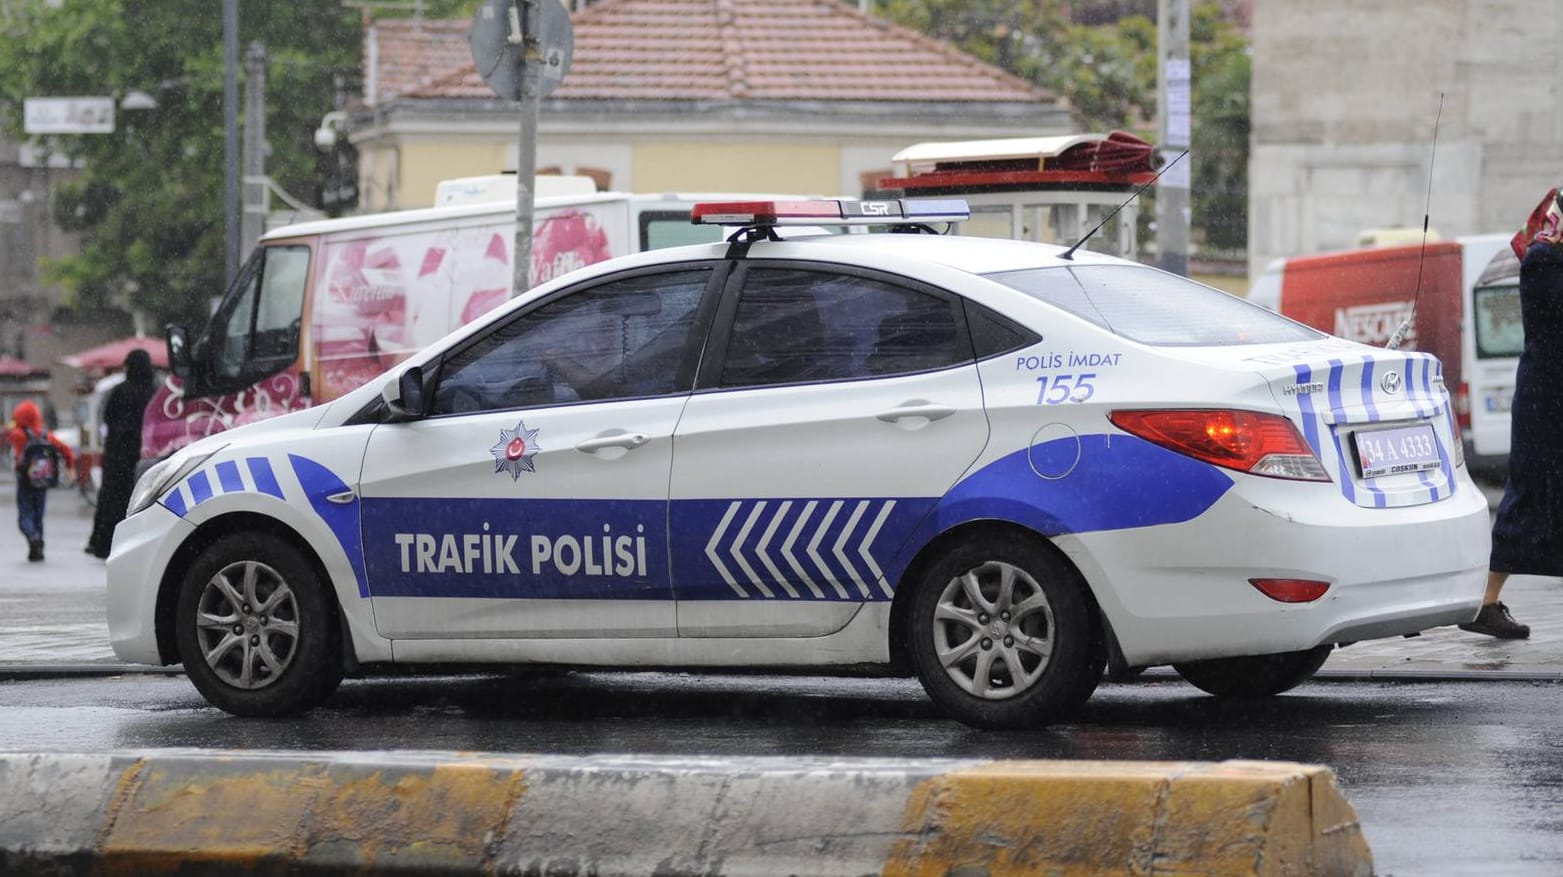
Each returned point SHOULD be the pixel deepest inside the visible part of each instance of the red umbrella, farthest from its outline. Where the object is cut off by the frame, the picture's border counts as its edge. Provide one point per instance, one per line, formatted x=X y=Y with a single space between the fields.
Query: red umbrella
x=112 y=354
x=12 y=367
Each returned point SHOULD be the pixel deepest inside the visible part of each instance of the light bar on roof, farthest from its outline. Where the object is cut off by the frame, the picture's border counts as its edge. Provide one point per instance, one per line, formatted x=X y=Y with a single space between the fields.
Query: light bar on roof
x=830 y=212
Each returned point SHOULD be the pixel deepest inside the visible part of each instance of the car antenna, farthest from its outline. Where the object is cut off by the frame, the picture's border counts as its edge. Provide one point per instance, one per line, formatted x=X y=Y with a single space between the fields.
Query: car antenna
x=1405 y=325
x=1070 y=253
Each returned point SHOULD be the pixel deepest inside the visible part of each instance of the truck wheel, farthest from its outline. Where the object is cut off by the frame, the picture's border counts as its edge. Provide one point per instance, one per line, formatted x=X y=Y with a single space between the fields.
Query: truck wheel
x=1001 y=634
x=256 y=629
x=1256 y=675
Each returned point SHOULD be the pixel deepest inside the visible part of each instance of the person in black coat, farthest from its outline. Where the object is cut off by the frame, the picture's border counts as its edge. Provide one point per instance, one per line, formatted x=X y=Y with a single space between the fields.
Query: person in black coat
x=1527 y=534
x=121 y=448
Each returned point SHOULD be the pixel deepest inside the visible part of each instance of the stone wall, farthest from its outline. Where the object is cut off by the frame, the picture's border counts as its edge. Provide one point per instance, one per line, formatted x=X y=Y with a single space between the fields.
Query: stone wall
x=1344 y=101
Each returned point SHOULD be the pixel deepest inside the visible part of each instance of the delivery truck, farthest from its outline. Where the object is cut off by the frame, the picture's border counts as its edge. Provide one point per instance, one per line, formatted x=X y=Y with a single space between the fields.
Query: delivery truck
x=1465 y=294
x=321 y=307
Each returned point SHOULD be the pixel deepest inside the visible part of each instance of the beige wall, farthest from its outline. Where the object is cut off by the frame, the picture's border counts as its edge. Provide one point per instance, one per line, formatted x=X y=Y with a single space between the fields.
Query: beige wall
x=736 y=167
x=424 y=165
x=413 y=170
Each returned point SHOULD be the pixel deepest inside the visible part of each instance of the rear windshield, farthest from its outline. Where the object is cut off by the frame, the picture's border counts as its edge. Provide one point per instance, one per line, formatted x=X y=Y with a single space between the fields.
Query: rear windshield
x=1499 y=333
x=1154 y=307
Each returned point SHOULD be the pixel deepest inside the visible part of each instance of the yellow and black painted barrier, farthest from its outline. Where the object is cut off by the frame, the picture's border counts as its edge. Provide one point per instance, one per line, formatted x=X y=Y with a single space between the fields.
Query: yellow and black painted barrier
x=185 y=812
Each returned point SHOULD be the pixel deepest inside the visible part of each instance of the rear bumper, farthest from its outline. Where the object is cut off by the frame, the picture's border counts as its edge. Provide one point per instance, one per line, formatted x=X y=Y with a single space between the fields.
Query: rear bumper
x=1182 y=592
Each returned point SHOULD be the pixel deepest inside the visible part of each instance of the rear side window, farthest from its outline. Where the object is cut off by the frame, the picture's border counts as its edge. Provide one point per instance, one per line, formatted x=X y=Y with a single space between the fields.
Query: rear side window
x=1499 y=331
x=1154 y=307
x=797 y=326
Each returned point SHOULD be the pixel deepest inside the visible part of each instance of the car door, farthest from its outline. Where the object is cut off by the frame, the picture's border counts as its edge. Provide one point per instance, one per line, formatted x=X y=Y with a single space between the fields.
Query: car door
x=834 y=408
x=531 y=500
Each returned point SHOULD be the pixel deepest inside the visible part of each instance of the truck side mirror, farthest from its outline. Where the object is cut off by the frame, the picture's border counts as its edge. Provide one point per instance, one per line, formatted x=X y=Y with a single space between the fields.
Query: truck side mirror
x=404 y=398
x=178 y=351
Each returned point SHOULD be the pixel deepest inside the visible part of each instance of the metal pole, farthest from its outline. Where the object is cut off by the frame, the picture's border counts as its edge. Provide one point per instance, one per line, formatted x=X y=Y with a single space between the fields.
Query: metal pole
x=231 y=139
x=253 y=222
x=1174 y=79
x=524 y=19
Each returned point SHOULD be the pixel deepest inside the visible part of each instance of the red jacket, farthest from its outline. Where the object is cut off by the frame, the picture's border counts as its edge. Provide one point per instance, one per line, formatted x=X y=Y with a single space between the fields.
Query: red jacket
x=25 y=419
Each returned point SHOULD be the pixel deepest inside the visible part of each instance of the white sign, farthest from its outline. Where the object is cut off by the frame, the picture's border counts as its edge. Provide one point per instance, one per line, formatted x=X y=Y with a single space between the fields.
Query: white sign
x=68 y=115
x=1177 y=176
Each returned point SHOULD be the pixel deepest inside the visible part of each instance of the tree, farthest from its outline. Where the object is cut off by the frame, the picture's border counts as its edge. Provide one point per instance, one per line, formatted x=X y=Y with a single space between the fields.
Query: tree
x=149 y=199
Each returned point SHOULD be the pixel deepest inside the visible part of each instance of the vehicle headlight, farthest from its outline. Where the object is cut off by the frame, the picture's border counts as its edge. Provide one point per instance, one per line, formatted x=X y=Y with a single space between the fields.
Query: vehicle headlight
x=157 y=479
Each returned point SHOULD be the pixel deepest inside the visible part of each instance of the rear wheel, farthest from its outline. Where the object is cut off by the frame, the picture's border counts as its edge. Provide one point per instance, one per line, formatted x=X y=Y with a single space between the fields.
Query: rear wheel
x=257 y=632
x=1255 y=675
x=1001 y=634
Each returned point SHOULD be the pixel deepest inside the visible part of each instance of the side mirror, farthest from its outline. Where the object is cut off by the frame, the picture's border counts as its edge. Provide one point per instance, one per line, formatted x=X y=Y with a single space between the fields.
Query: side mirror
x=178 y=351
x=404 y=399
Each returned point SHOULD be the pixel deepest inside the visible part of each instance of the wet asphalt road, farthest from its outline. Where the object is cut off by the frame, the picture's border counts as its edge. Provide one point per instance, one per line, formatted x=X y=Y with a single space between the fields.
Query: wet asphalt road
x=1448 y=778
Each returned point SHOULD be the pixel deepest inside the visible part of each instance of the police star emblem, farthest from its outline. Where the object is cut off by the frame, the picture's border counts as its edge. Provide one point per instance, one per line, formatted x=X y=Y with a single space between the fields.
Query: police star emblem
x=515 y=450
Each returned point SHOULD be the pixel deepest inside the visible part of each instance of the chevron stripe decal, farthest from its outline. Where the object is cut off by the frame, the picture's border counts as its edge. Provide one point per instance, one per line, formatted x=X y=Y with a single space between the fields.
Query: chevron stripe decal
x=744 y=549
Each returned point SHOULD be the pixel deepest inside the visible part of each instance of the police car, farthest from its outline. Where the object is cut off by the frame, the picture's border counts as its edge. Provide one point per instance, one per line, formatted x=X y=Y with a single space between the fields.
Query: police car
x=998 y=465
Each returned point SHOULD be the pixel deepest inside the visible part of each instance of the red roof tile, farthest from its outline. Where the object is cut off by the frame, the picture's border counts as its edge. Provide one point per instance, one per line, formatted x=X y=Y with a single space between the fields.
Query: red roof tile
x=715 y=50
x=410 y=51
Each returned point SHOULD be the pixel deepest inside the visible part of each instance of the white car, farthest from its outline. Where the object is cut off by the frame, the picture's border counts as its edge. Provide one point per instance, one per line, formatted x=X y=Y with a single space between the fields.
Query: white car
x=996 y=464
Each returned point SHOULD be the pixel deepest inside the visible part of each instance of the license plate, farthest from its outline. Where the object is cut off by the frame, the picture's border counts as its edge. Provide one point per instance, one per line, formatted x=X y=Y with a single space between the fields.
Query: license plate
x=1395 y=450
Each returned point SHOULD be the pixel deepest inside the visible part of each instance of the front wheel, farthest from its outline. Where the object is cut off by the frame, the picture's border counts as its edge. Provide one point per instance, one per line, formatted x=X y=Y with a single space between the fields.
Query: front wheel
x=1002 y=634
x=1255 y=675
x=256 y=629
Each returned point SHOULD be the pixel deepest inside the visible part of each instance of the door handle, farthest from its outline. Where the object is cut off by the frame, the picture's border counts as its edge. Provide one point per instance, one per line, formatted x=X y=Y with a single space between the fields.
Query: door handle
x=929 y=411
x=625 y=440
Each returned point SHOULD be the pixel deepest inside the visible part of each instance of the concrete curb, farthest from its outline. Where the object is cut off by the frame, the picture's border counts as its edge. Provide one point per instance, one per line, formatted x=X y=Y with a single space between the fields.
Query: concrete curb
x=19 y=672
x=447 y=813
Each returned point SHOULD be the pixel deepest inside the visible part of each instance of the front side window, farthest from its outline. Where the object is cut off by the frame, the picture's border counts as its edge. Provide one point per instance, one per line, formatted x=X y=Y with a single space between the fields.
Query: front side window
x=1154 y=307
x=799 y=326
x=256 y=329
x=1499 y=331
x=623 y=339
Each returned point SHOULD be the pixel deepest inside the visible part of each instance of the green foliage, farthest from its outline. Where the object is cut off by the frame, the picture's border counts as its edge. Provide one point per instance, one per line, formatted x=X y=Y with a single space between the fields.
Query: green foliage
x=149 y=198
x=1221 y=69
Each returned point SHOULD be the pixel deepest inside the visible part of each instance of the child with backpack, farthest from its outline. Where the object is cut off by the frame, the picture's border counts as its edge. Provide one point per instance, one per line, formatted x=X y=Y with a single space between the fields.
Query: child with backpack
x=41 y=460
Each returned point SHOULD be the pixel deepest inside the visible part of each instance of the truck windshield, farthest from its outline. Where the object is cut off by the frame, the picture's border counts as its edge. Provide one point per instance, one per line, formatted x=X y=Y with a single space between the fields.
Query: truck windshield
x=1154 y=307
x=1499 y=332
x=255 y=331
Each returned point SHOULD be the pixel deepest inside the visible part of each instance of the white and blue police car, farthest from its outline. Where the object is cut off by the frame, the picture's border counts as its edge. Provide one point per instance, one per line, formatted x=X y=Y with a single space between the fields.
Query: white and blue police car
x=995 y=464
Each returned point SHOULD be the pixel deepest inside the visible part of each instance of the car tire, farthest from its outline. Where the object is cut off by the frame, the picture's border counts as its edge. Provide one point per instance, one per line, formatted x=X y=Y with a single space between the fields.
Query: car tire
x=1255 y=675
x=257 y=630
x=992 y=671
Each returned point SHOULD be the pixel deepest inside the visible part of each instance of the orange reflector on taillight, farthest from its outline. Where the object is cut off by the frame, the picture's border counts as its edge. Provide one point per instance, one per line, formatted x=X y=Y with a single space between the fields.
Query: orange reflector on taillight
x=1291 y=590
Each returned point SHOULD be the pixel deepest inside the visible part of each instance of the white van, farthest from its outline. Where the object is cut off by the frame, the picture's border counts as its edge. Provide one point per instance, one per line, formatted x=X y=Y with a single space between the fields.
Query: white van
x=321 y=307
x=1492 y=337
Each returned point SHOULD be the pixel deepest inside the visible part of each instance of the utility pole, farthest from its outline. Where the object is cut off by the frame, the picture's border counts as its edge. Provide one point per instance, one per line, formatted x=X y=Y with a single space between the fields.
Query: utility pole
x=231 y=140
x=524 y=19
x=255 y=195
x=1173 y=87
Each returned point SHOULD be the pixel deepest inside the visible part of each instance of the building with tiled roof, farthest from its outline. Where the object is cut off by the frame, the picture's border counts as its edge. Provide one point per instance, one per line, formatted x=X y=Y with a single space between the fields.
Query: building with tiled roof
x=687 y=95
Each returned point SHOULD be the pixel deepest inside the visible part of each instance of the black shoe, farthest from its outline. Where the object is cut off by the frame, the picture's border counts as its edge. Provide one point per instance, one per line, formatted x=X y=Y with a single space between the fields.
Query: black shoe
x=34 y=550
x=1494 y=620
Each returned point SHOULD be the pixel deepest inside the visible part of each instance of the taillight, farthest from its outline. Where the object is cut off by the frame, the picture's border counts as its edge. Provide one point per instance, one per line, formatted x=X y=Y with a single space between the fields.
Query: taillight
x=1248 y=441
x=1462 y=405
x=1291 y=590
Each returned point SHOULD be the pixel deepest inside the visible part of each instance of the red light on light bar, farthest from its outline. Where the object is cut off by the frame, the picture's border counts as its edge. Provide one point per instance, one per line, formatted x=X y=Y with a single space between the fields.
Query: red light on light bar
x=830 y=212
x=1291 y=590
x=762 y=212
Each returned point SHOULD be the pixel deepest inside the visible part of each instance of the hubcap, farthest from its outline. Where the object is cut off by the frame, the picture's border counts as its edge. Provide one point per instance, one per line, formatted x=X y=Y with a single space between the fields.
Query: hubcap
x=247 y=624
x=993 y=630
